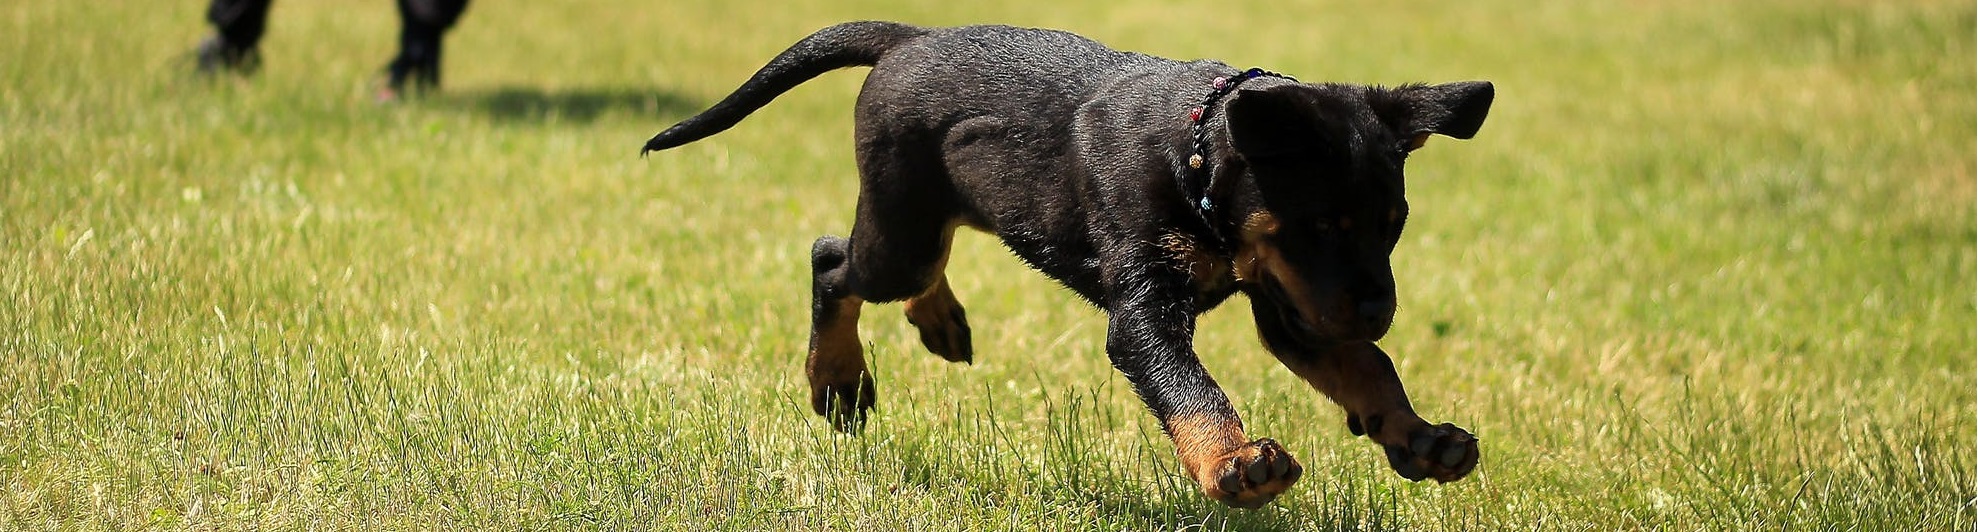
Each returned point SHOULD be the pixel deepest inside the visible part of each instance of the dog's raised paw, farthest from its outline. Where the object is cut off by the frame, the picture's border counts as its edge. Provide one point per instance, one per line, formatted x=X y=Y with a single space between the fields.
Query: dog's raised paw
x=1253 y=475
x=943 y=326
x=1443 y=452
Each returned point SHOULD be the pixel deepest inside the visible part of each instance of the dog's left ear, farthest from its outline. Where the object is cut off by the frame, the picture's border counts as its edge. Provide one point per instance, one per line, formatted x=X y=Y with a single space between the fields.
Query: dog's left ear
x=1274 y=125
x=1455 y=110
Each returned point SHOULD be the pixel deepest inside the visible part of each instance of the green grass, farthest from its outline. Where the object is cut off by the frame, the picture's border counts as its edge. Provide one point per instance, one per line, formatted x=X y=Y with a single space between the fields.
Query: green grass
x=1710 y=265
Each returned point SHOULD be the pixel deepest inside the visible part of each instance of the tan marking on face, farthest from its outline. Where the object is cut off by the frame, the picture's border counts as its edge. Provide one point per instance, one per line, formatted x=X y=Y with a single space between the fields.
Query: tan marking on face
x=1393 y=215
x=1257 y=258
x=1345 y=224
x=1251 y=247
x=1416 y=142
x=1202 y=440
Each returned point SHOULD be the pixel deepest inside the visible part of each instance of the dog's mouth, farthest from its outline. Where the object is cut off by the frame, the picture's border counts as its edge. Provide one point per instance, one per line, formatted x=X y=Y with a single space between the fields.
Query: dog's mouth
x=1306 y=332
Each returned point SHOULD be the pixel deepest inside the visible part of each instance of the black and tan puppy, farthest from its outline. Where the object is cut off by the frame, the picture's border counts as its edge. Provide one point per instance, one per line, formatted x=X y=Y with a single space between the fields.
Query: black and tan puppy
x=1153 y=188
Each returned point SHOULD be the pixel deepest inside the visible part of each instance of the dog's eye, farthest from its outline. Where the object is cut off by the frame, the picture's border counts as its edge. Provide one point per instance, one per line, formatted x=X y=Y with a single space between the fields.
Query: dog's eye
x=1326 y=226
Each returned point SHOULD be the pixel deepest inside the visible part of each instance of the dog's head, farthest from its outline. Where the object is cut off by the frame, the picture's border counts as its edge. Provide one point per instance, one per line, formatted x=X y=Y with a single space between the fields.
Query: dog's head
x=1325 y=208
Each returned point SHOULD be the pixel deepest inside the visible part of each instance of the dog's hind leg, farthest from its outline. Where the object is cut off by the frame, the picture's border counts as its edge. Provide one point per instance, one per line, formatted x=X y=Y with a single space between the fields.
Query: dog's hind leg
x=841 y=388
x=913 y=262
x=942 y=322
x=897 y=251
x=907 y=216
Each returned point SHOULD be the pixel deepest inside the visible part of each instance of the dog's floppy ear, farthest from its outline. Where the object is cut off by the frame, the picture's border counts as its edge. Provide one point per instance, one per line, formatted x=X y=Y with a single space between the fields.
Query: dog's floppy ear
x=1452 y=109
x=1269 y=125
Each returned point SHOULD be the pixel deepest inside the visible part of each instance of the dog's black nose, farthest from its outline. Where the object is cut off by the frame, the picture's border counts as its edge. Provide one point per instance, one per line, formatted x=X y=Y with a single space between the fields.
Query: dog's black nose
x=1376 y=314
x=1377 y=309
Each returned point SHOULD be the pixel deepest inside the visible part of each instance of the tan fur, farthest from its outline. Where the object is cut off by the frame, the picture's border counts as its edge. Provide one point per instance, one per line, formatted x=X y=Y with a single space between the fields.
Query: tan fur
x=1257 y=258
x=934 y=306
x=1416 y=142
x=1203 y=441
x=1213 y=448
x=836 y=355
x=1204 y=270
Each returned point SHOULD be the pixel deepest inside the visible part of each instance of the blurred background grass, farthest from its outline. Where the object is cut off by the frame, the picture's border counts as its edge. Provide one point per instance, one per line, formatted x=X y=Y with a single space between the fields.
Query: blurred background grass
x=1710 y=265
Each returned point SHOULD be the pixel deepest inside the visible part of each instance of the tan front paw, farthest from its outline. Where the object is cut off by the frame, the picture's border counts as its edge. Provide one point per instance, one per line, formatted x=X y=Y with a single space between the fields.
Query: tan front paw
x=1251 y=475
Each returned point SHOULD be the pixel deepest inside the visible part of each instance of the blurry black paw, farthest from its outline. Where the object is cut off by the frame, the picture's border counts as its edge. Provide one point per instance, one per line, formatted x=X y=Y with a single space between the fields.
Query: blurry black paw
x=215 y=56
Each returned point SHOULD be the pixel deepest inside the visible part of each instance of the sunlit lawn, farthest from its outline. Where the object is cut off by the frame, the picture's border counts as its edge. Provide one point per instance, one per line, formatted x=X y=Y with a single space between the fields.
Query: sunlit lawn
x=1710 y=265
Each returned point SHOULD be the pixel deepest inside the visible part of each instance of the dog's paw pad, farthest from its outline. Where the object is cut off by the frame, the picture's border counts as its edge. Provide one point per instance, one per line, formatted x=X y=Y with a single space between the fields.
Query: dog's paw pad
x=1444 y=452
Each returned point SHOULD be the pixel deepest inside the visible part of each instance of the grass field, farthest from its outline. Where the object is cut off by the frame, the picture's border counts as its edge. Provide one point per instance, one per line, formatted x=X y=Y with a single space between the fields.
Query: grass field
x=1709 y=266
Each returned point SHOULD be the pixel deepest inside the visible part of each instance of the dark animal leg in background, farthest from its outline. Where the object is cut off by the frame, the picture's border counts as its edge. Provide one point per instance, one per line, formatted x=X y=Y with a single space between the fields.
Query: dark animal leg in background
x=238 y=26
x=423 y=29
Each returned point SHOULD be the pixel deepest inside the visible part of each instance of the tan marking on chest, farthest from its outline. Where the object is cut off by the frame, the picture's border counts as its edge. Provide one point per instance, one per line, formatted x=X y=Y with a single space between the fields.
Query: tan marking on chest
x=1204 y=269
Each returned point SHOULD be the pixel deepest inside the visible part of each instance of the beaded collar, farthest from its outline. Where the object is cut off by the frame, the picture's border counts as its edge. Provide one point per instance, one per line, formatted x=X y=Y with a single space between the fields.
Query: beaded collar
x=1195 y=182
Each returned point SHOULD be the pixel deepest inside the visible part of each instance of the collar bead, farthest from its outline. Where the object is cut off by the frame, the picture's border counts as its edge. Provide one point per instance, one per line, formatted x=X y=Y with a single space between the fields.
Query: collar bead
x=1193 y=183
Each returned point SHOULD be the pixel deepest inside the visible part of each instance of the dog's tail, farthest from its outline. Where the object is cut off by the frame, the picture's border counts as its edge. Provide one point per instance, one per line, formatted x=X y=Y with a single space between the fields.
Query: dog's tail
x=844 y=45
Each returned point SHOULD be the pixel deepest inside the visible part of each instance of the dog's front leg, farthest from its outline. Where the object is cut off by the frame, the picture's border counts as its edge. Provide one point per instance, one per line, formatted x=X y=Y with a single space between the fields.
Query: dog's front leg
x=1149 y=339
x=1361 y=379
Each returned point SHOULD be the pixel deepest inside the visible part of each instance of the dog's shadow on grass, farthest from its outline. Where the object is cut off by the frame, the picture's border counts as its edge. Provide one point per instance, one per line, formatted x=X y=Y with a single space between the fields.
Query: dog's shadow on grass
x=577 y=105
x=1171 y=506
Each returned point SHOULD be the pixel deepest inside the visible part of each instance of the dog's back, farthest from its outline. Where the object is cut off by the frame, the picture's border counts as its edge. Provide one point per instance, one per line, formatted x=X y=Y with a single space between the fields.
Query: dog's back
x=934 y=75
x=998 y=106
x=953 y=74
x=978 y=126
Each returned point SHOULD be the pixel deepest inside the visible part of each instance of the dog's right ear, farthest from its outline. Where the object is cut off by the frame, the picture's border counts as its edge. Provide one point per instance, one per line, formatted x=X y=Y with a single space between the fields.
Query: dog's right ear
x=1273 y=125
x=1455 y=110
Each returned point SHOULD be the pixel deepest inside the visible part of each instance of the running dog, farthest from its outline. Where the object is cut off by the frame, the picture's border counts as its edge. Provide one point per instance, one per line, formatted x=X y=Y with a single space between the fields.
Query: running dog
x=1153 y=188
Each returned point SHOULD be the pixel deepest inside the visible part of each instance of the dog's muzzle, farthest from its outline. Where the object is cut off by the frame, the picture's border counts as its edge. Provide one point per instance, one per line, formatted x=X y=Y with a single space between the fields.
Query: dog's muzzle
x=1370 y=323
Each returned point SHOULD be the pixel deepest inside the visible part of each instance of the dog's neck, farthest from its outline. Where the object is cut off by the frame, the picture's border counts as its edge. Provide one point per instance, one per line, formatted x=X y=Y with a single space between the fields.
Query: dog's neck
x=1197 y=181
